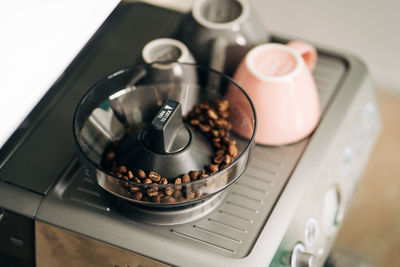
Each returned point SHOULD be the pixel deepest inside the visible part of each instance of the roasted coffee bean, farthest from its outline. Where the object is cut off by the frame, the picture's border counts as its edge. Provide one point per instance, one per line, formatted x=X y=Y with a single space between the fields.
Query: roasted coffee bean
x=204 y=175
x=232 y=142
x=196 y=110
x=130 y=175
x=185 y=178
x=122 y=169
x=152 y=191
x=137 y=195
x=204 y=128
x=194 y=175
x=213 y=168
x=222 y=105
x=155 y=177
x=178 y=183
x=119 y=175
x=194 y=122
x=141 y=174
x=147 y=181
x=232 y=150
x=224 y=114
x=211 y=123
x=156 y=199
x=212 y=114
x=221 y=123
x=203 y=119
x=110 y=156
x=168 y=190
x=136 y=180
x=168 y=199
x=220 y=152
x=177 y=194
x=218 y=159
x=227 y=159
x=134 y=188
x=215 y=133
x=217 y=145
x=204 y=106
x=163 y=181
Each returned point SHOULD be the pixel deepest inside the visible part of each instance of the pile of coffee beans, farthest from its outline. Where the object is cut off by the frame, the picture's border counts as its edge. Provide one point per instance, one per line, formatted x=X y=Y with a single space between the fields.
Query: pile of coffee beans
x=212 y=120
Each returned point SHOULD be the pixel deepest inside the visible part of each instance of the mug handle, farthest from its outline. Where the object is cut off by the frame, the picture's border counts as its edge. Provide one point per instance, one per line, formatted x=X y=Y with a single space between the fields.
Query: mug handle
x=218 y=54
x=307 y=51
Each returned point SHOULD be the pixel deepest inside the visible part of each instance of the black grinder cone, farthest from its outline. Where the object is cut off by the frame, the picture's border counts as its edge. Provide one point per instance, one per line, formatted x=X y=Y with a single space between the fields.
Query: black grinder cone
x=166 y=146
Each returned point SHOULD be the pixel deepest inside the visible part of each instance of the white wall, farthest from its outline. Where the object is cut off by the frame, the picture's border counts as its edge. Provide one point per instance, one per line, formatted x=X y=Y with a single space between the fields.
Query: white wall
x=369 y=29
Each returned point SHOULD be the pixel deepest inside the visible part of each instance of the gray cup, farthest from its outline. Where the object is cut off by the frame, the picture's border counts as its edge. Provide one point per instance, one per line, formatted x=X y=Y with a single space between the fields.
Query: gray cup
x=220 y=32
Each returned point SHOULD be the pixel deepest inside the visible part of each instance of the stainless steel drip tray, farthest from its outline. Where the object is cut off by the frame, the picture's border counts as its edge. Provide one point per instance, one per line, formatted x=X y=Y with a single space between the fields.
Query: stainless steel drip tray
x=230 y=230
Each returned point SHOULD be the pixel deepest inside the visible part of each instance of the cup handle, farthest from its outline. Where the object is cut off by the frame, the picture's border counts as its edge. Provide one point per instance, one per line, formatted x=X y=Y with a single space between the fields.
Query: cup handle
x=218 y=54
x=307 y=51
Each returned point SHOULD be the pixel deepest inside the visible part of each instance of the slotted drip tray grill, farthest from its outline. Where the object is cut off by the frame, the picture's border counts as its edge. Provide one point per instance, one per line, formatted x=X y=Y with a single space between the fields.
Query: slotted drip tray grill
x=232 y=228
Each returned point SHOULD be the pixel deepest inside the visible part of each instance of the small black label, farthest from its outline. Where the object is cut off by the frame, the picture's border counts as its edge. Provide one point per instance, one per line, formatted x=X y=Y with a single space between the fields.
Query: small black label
x=165 y=112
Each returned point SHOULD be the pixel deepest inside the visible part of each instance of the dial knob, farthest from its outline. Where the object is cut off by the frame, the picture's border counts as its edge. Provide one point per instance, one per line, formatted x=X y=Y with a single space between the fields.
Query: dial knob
x=300 y=258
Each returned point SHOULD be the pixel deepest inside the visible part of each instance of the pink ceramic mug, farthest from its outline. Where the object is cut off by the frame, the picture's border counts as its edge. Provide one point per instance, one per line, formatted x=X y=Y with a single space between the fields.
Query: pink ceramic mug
x=279 y=82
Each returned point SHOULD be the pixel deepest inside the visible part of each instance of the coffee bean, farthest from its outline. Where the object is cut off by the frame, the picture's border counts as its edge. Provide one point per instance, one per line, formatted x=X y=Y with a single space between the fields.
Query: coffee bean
x=136 y=180
x=152 y=191
x=213 y=168
x=130 y=175
x=155 y=177
x=169 y=190
x=222 y=105
x=204 y=106
x=194 y=175
x=194 y=122
x=218 y=159
x=110 y=156
x=221 y=123
x=204 y=128
x=168 y=199
x=146 y=181
x=212 y=114
x=177 y=194
x=215 y=133
x=141 y=174
x=185 y=178
x=137 y=195
x=227 y=159
x=204 y=175
x=178 y=183
x=232 y=149
x=134 y=188
x=220 y=152
x=122 y=169
x=224 y=114
x=163 y=181
x=211 y=123
x=156 y=199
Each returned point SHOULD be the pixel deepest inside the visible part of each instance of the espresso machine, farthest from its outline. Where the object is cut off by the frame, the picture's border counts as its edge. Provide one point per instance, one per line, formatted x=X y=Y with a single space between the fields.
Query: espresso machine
x=284 y=208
